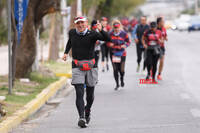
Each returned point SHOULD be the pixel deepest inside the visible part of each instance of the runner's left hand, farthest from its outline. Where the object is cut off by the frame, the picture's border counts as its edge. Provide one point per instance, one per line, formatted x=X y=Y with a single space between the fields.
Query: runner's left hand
x=123 y=46
x=99 y=26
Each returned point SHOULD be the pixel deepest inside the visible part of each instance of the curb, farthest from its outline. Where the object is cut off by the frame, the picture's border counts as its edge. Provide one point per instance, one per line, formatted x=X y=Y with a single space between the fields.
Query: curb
x=31 y=107
x=64 y=75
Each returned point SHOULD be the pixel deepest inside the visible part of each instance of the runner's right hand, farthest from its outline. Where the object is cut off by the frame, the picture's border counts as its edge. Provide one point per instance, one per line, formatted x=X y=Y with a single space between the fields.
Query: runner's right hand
x=64 y=57
x=145 y=46
x=136 y=41
x=111 y=44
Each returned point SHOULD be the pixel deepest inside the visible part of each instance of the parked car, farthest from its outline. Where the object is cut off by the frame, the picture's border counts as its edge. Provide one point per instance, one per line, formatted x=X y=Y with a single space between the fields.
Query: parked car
x=194 y=23
x=182 y=23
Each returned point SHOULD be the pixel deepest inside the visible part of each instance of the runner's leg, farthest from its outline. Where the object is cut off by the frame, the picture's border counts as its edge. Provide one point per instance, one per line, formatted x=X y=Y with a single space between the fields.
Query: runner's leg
x=89 y=97
x=103 y=57
x=122 y=70
x=145 y=63
x=107 y=56
x=79 y=99
x=116 y=73
x=155 y=62
x=149 y=62
x=139 y=56
x=161 y=65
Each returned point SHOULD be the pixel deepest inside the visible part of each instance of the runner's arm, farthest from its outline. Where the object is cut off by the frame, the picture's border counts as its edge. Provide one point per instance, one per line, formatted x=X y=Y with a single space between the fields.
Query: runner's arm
x=133 y=34
x=166 y=37
x=103 y=36
x=144 y=41
x=68 y=46
x=127 y=40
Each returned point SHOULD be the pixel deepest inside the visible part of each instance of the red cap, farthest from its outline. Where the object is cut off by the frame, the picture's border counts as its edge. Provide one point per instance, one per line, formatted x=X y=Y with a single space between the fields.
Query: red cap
x=116 y=25
x=104 y=19
x=94 y=26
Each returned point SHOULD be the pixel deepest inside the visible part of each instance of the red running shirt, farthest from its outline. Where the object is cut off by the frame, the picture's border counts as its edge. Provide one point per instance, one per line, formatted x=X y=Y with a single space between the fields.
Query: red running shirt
x=152 y=38
x=164 y=35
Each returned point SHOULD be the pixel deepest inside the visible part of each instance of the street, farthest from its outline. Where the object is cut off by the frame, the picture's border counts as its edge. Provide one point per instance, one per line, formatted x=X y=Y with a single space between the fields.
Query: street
x=171 y=106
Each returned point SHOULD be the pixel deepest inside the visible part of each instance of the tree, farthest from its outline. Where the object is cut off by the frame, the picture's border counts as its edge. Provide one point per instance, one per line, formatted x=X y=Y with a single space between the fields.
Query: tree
x=117 y=7
x=54 y=37
x=26 y=50
x=90 y=7
x=3 y=27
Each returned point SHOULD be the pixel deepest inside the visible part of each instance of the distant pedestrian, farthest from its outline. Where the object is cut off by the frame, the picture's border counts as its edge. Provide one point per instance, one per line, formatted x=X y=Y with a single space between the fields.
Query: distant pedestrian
x=137 y=34
x=104 y=48
x=98 y=43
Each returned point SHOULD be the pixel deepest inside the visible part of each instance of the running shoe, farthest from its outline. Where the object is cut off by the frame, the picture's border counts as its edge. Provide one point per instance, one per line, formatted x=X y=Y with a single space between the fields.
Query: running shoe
x=117 y=87
x=82 y=123
x=143 y=72
x=107 y=66
x=122 y=84
x=122 y=81
x=103 y=70
x=148 y=77
x=159 y=77
x=154 y=81
x=138 y=68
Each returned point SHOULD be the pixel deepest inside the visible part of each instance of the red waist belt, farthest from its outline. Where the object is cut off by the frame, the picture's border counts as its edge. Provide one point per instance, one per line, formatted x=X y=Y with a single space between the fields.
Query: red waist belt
x=85 y=65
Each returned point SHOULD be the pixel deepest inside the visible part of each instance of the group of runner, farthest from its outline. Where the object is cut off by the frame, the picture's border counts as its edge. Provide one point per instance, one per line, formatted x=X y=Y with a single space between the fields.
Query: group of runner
x=86 y=43
x=150 y=41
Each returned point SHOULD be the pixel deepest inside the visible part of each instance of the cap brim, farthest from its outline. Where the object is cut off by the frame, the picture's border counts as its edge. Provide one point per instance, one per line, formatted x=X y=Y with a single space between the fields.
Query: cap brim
x=78 y=20
x=116 y=26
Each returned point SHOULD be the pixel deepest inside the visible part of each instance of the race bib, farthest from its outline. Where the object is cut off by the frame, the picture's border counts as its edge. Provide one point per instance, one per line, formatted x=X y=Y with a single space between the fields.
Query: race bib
x=153 y=43
x=116 y=59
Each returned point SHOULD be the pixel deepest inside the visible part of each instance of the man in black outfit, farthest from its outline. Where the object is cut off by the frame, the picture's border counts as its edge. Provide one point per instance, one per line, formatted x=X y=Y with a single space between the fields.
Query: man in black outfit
x=82 y=42
x=137 y=36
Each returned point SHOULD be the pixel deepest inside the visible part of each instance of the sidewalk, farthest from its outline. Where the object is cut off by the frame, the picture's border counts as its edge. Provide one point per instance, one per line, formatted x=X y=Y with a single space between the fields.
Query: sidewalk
x=4 y=57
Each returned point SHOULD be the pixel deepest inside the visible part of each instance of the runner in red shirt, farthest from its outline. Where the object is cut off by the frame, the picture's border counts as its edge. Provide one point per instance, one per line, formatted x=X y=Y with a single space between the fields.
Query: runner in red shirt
x=160 y=26
x=151 y=41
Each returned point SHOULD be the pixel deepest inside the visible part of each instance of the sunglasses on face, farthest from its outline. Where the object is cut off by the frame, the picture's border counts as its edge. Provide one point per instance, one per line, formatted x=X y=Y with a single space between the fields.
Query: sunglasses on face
x=80 y=22
x=116 y=27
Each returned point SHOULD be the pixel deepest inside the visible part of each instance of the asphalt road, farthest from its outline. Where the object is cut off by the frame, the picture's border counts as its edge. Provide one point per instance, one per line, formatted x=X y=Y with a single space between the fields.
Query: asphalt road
x=171 y=106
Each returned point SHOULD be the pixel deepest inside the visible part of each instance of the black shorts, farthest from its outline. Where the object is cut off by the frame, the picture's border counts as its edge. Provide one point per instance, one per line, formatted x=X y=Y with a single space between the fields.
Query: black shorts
x=162 y=52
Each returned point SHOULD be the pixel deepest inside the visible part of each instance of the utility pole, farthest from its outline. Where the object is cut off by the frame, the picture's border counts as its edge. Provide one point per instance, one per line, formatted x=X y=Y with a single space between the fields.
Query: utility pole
x=35 y=66
x=185 y=3
x=9 y=47
x=196 y=7
x=79 y=8
x=65 y=22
